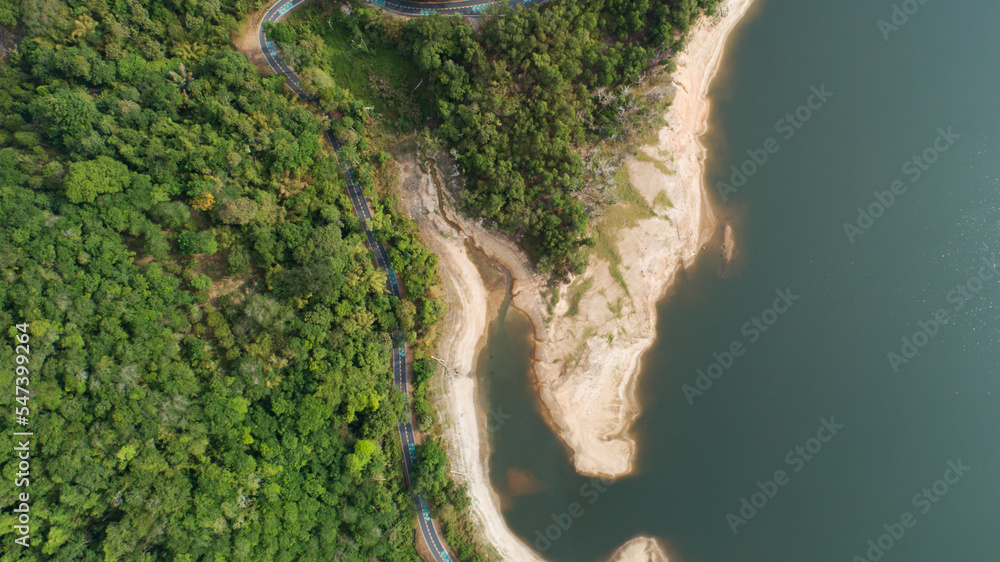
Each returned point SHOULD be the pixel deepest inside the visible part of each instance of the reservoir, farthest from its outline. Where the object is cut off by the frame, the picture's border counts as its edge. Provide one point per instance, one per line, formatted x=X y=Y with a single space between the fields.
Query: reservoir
x=835 y=397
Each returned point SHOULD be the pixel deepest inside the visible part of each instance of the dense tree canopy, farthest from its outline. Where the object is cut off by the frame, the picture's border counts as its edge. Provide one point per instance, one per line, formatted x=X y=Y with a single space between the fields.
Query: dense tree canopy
x=210 y=337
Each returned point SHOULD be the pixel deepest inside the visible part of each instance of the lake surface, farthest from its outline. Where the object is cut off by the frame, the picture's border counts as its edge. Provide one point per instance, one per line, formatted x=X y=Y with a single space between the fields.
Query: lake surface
x=832 y=441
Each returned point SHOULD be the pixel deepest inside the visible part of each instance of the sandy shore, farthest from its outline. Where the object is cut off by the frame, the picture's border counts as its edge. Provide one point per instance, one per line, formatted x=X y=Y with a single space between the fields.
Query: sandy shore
x=585 y=365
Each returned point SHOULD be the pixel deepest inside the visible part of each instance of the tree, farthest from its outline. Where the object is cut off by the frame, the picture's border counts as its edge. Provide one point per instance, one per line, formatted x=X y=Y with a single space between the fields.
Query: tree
x=201 y=282
x=66 y=113
x=280 y=32
x=202 y=242
x=171 y=214
x=204 y=201
x=362 y=455
x=86 y=180
x=407 y=315
x=238 y=211
x=429 y=473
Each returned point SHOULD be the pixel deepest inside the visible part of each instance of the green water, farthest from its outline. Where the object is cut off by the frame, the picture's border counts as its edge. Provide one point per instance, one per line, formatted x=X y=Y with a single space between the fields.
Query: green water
x=826 y=356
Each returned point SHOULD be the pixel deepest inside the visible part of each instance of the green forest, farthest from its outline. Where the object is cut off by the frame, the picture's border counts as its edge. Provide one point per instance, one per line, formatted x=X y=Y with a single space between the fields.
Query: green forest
x=209 y=335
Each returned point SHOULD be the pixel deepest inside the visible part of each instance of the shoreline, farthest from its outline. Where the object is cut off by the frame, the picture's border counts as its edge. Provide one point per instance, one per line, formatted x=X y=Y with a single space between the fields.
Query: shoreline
x=472 y=306
x=590 y=407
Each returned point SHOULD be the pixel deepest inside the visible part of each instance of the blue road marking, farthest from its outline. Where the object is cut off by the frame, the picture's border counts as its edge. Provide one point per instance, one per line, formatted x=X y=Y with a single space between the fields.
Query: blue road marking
x=274 y=52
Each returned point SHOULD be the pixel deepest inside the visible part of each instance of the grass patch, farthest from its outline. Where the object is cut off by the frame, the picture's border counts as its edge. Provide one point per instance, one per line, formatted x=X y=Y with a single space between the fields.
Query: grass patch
x=616 y=308
x=576 y=293
x=551 y=298
x=374 y=71
x=649 y=135
x=661 y=200
x=627 y=193
x=626 y=213
x=573 y=360
x=657 y=163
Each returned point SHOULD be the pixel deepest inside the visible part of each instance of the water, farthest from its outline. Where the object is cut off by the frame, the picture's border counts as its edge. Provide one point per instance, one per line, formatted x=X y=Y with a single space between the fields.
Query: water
x=826 y=357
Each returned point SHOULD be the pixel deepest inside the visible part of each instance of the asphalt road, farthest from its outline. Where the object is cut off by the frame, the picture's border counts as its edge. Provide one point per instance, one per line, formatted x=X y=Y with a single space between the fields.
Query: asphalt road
x=463 y=7
x=400 y=374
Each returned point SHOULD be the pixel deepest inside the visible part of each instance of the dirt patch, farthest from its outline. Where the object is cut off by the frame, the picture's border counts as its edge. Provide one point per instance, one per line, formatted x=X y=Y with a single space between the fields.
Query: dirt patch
x=245 y=39
x=214 y=266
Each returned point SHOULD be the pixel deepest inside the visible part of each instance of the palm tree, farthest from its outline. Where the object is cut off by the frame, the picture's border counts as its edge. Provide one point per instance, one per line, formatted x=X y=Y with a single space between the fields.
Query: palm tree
x=181 y=78
x=82 y=26
x=191 y=51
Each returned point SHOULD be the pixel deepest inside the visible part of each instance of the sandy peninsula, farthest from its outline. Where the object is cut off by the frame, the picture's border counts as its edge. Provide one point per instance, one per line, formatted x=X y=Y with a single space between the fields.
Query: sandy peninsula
x=585 y=365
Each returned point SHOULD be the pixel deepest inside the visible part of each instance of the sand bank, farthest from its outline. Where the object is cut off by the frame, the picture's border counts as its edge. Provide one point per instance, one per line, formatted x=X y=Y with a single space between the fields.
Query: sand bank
x=640 y=549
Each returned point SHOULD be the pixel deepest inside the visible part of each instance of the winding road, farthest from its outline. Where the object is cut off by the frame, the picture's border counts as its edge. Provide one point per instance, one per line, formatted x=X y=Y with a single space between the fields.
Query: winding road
x=462 y=7
x=400 y=374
